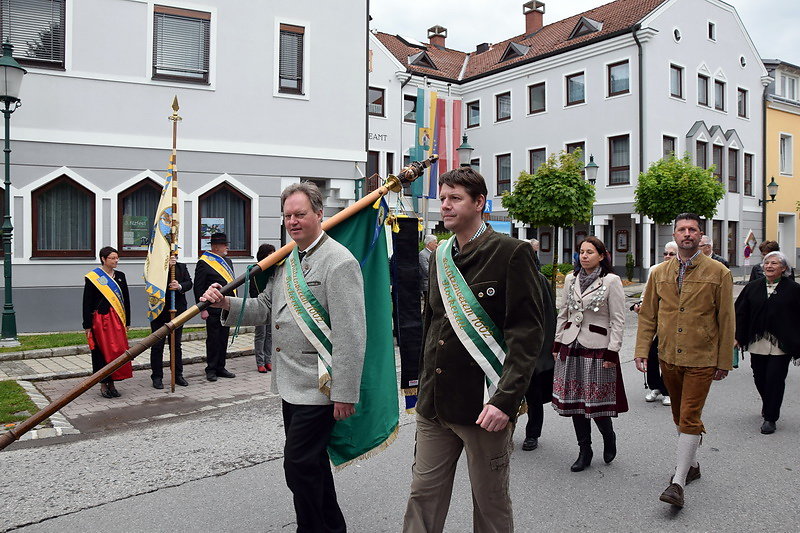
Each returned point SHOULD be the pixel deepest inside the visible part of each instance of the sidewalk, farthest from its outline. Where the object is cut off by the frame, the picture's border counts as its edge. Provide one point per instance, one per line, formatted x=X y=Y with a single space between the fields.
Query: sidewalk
x=76 y=361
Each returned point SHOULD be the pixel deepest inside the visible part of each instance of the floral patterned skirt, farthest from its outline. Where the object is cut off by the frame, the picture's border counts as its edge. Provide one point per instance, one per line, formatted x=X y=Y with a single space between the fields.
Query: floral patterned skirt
x=581 y=386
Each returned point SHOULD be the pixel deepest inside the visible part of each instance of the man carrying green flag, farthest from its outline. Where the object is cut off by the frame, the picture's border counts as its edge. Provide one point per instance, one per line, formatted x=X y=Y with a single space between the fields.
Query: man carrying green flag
x=316 y=307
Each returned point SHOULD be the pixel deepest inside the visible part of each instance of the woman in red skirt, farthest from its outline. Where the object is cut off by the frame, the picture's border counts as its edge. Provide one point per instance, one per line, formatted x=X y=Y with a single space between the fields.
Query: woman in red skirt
x=587 y=380
x=106 y=318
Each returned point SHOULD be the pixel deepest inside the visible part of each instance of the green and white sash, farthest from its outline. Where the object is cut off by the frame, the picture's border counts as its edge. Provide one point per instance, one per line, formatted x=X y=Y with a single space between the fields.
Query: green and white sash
x=312 y=319
x=474 y=327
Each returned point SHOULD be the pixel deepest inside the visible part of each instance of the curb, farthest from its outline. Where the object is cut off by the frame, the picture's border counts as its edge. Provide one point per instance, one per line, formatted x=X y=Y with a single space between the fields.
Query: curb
x=136 y=366
x=63 y=351
x=61 y=425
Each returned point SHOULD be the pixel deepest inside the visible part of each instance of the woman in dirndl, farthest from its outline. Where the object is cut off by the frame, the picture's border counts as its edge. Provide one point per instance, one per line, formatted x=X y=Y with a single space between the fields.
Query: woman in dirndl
x=587 y=381
x=106 y=318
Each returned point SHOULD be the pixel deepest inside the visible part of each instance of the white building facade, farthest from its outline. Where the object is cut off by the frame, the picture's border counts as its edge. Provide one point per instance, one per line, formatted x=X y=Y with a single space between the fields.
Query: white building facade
x=92 y=140
x=627 y=83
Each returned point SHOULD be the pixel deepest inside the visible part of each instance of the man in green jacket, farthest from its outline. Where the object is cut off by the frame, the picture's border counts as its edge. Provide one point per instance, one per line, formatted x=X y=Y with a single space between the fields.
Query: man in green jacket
x=688 y=303
x=482 y=333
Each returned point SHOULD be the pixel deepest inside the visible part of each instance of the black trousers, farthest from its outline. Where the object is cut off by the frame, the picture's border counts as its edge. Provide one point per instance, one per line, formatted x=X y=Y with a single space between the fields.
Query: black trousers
x=157 y=351
x=308 y=469
x=769 y=373
x=216 y=344
x=583 y=428
x=533 y=397
x=98 y=362
x=654 y=380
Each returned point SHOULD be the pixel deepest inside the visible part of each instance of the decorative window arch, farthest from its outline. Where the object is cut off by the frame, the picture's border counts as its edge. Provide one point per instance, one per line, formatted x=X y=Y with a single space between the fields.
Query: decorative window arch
x=225 y=204
x=136 y=207
x=63 y=216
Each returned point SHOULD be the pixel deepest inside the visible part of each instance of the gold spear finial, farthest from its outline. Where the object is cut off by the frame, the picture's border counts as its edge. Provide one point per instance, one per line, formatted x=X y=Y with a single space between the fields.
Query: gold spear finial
x=175 y=108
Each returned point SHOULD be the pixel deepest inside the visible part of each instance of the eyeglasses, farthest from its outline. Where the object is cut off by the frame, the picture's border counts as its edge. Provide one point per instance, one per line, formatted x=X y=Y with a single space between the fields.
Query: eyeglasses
x=670 y=253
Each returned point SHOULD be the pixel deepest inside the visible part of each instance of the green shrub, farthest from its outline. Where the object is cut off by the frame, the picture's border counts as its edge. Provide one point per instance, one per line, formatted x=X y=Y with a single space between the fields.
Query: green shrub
x=564 y=268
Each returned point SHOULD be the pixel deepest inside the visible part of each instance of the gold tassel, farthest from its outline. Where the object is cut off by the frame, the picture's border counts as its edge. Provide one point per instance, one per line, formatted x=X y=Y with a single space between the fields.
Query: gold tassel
x=410 y=391
x=374 y=451
x=324 y=386
x=523 y=408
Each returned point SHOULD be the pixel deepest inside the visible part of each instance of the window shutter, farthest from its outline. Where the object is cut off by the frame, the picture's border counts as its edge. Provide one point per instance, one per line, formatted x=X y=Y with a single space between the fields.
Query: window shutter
x=291 y=59
x=36 y=29
x=181 y=44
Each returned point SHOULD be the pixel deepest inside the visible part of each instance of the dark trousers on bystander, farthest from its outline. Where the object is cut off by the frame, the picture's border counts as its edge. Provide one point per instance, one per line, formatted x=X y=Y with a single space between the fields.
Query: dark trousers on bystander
x=308 y=470
x=769 y=374
x=216 y=344
x=157 y=351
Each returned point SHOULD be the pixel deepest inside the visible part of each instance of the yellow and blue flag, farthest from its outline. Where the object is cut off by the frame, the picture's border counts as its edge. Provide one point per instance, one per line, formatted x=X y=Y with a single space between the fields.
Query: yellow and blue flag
x=163 y=242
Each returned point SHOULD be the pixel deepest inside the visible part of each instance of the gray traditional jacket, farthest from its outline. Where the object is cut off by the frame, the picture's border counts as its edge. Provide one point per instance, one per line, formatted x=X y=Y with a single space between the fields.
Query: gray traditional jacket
x=334 y=277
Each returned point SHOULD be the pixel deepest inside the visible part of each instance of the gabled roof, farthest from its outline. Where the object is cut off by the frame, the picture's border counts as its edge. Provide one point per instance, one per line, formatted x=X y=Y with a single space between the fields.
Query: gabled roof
x=610 y=20
x=422 y=59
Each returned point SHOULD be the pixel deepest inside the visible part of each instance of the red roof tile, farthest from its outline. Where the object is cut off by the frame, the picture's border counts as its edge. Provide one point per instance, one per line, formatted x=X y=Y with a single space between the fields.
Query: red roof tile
x=616 y=16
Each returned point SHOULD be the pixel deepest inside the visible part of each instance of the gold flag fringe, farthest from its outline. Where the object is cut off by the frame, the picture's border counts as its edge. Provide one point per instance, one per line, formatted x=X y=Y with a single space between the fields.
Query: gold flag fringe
x=410 y=392
x=374 y=451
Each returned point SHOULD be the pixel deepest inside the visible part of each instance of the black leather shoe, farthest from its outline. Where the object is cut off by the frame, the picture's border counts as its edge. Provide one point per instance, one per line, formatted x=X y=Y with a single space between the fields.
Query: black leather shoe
x=609 y=447
x=113 y=390
x=225 y=374
x=179 y=380
x=530 y=443
x=157 y=383
x=211 y=377
x=105 y=392
x=584 y=459
x=673 y=495
x=767 y=428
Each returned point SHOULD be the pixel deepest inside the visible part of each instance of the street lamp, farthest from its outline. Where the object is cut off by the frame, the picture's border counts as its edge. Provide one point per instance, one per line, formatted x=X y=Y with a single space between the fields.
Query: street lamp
x=591 y=170
x=591 y=176
x=772 y=190
x=11 y=74
x=465 y=152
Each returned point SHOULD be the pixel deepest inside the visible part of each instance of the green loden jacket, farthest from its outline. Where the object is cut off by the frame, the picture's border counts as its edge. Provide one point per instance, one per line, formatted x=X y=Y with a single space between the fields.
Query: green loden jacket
x=501 y=273
x=695 y=327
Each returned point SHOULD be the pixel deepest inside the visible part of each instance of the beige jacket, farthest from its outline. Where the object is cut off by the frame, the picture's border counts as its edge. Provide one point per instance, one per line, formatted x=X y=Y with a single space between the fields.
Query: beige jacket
x=601 y=329
x=696 y=327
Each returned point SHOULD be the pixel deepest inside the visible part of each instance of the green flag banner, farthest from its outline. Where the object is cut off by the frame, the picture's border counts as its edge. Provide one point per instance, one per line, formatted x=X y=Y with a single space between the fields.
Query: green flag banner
x=374 y=425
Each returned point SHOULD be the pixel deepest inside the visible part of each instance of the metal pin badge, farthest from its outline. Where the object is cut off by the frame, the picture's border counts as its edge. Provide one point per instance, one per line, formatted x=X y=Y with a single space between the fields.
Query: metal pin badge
x=490 y=291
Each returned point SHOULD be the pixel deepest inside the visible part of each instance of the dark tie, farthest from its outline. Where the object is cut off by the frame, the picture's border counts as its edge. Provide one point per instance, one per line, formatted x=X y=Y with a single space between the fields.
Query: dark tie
x=302 y=255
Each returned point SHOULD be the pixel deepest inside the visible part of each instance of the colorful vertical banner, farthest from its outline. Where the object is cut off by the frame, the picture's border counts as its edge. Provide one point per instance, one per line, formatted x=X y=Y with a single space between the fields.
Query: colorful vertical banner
x=163 y=242
x=438 y=127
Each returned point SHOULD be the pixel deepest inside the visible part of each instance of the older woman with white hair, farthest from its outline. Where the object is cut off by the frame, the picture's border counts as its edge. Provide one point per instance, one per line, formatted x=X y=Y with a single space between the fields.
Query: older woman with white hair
x=767 y=318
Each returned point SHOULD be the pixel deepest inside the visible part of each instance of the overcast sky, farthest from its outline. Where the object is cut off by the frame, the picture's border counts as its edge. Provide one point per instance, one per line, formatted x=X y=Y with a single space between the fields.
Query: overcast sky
x=772 y=24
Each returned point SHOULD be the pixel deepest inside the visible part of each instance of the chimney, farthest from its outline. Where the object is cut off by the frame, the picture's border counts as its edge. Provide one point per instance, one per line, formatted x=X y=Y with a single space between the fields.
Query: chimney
x=481 y=48
x=437 y=35
x=534 y=16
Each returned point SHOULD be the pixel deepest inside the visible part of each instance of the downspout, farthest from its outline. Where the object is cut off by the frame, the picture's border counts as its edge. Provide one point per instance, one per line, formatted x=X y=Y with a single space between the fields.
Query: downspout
x=634 y=31
x=764 y=164
x=366 y=99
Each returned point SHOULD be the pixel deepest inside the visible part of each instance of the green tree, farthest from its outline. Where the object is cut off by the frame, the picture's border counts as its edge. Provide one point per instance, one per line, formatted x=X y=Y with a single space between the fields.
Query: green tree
x=672 y=186
x=557 y=195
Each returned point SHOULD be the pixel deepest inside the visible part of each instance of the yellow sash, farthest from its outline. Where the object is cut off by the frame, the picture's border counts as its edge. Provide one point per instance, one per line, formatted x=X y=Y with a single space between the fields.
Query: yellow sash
x=219 y=264
x=109 y=288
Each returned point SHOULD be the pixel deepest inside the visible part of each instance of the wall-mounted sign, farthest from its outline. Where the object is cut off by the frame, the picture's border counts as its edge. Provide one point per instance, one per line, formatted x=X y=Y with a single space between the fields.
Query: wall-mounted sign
x=622 y=240
x=378 y=137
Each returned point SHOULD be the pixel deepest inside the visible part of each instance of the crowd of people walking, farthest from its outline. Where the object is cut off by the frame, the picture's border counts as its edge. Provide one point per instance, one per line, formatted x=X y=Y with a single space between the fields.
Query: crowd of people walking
x=472 y=383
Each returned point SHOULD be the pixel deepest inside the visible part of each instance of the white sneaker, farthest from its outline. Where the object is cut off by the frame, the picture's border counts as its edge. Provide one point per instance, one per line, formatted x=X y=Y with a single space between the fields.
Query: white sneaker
x=666 y=401
x=653 y=395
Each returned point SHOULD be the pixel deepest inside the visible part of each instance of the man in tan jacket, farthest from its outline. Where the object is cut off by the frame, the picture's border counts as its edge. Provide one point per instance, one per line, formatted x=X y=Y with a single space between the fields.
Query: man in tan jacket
x=688 y=303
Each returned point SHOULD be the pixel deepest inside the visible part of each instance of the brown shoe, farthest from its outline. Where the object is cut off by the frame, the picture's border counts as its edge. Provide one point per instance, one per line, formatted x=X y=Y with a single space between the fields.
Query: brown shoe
x=673 y=495
x=694 y=473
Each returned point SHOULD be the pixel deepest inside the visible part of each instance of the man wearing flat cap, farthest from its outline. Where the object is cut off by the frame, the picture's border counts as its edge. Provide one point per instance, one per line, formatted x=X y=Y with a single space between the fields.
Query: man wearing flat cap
x=214 y=267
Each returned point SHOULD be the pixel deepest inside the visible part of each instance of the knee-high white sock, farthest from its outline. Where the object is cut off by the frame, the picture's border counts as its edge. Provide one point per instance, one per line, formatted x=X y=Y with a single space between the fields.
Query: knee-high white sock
x=687 y=450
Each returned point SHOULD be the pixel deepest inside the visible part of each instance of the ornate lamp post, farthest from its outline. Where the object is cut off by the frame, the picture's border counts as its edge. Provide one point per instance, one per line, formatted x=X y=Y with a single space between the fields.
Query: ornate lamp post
x=465 y=152
x=591 y=176
x=11 y=74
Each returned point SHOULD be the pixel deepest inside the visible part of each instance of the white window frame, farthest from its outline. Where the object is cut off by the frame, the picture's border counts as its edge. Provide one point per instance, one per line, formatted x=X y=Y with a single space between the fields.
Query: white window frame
x=671 y=64
x=510 y=106
x=276 y=58
x=566 y=90
x=784 y=78
x=528 y=98
x=786 y=157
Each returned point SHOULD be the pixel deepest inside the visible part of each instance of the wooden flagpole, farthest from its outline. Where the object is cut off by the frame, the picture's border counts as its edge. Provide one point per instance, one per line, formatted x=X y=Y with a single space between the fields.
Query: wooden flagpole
x=392 y=183
x=173 y=236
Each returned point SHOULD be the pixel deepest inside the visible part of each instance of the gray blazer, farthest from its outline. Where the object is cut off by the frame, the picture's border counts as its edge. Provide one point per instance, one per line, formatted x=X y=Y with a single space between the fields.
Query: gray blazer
x=334 y=276
x=424 y=268
x=601 y=329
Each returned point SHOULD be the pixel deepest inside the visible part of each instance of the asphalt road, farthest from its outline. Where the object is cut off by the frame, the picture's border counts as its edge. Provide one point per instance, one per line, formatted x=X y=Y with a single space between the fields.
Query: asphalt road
x=222 y=471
